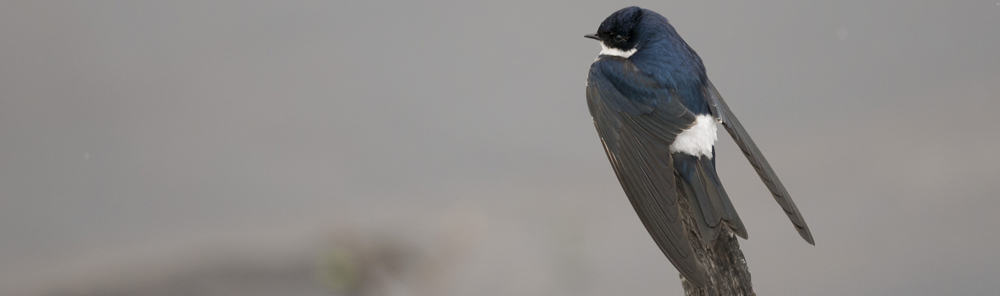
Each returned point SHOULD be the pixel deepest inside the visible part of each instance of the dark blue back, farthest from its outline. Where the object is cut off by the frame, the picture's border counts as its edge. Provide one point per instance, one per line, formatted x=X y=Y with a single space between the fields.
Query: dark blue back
x=667 y=59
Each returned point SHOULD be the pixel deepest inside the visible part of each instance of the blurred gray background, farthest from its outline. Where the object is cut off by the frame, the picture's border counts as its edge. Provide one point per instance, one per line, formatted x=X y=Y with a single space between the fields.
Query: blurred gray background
x=213 y=148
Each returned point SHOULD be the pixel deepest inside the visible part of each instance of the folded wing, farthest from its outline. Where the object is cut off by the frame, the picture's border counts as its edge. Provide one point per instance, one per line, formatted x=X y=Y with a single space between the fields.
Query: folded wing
x=742 y=138
x=637 y=120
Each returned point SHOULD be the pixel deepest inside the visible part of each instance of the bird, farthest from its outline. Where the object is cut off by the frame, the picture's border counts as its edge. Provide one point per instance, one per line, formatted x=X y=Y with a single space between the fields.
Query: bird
x=656 y=113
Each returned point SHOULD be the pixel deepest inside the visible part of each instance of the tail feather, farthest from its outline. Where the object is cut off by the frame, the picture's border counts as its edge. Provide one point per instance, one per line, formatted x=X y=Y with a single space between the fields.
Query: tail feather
x=730 y=216
x=705 y=191
x=708 y=233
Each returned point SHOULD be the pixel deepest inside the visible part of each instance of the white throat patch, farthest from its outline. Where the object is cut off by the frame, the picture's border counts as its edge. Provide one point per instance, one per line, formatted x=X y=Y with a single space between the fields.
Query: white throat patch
x=605 y=50
x=699 y=139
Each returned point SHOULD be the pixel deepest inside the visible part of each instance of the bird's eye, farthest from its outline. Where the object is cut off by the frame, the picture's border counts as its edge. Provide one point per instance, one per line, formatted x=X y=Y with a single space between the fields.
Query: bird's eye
x=619 y=38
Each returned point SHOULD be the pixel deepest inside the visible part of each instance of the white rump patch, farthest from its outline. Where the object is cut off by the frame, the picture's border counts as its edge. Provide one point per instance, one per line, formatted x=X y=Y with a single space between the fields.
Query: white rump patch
x=699 y=139
x=605 y=50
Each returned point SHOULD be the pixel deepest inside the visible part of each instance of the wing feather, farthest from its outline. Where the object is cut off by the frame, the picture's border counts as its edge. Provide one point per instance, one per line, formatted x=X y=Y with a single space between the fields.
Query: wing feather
x=637 y=130
x=725 y=115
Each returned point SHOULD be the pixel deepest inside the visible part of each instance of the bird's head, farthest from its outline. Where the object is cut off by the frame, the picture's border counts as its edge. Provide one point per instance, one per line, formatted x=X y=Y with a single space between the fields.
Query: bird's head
x=619 y=33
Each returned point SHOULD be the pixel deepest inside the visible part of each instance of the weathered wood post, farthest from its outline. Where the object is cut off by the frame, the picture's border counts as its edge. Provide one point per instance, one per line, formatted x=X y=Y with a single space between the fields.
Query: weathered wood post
x=724 y=264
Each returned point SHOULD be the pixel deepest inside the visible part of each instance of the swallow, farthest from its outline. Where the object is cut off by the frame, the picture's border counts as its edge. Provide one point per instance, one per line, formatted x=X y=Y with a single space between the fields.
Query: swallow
x=657 y=115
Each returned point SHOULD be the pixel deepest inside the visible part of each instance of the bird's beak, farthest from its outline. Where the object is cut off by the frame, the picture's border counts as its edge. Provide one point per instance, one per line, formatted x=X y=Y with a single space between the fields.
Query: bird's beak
x=593 y=36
